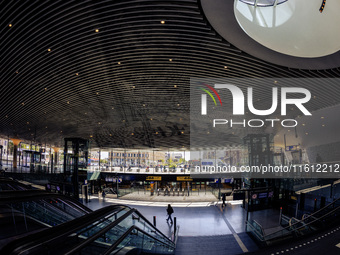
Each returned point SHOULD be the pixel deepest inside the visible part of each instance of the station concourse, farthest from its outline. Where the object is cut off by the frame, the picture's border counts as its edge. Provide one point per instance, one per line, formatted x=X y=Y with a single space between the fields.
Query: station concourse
x=111 y=110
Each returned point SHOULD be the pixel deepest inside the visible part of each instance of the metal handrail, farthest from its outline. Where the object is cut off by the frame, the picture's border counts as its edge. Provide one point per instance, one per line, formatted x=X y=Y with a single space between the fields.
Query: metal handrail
x=121 y=239
x=101 y=232
x=60 y=230
x=292 y=227
x=289 y=228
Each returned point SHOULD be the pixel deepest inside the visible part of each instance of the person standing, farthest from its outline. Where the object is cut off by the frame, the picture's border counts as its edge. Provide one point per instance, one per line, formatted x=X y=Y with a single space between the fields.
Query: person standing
x=170 y=211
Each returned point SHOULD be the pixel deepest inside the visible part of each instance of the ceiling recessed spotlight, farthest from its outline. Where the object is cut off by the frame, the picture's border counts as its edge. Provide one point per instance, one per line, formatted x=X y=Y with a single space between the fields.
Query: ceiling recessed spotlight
x=97 y=93
x=175 y=86
x=77 y=74
x=68 y=102
x=156 y=133
x=49 y=50
x=208 y=132
x=113 y=108
x=97 y=30
x=182 y=132
x=91 y=136
x=110 y=134
x=170 y=59
x=118 y=63
x=17 y=72
x=306 y=133
x=322 y=117
x=23 y=103
x=45 y=89
x=132 y=133
x=303 y=124
x=162 y=22
x=225 y=67
x=275 y=82
x=177 y=104
x=133 y=87
x=10 y=25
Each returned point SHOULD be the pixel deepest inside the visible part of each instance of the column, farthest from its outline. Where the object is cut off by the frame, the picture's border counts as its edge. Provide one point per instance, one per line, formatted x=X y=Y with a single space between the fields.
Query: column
x=55 y=159
x=15 y=151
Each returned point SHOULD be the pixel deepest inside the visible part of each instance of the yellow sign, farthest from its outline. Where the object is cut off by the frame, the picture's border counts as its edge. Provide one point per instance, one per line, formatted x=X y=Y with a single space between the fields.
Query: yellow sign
x=154 y=178
x=184 y=178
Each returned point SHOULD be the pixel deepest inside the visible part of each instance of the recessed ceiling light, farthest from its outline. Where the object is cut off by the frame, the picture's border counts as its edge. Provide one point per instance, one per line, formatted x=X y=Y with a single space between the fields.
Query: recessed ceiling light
x=322 y=117
x=323 y=125
x=77 y=74
x=170 y=59
x=68 y=102
x=150 y=118
x=23 y=103
x=225 y=67
x=156 y=133
x=49 y=50
x=175 y=86
x=177 y=104
x=133 y=87
x=97 y=30
x=132 y=133
x=306 y=133
x=112 y=108
x=97 y=93
x=275 y=82
x=182 y=132
x=118 y=63
x=17 y=72
x=110 y=134
x=162 y=22
x=10 y=25
x=91 y=136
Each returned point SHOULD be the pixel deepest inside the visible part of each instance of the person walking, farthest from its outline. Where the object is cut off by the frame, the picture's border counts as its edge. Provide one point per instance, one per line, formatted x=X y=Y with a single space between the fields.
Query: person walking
x=170 y=211
x=223 y=200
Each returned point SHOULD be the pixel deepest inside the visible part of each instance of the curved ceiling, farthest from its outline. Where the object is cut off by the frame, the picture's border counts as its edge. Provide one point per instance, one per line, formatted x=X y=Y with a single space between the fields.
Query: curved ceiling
x=115 y=72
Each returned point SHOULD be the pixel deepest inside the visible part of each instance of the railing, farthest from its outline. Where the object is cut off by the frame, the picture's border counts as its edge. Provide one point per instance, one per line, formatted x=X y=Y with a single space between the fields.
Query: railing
x=106 y=230
x=308 y=224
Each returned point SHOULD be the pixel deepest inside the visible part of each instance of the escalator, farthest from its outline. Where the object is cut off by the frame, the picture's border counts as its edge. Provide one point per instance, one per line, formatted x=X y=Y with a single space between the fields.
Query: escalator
x=114 y=229
x=27 y=211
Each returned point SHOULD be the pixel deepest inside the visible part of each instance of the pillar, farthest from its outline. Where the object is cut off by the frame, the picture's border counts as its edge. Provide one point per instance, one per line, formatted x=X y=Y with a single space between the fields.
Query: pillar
x=15 y=151
x=55 y=158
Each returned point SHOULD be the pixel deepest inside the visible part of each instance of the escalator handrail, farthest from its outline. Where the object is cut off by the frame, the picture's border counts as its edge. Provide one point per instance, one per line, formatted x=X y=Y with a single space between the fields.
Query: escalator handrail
x=112 y=225
x=101 y=232
x=121 y=239
x=30 y=195
x=149 y=223
x=59 y=230
x=292 y=227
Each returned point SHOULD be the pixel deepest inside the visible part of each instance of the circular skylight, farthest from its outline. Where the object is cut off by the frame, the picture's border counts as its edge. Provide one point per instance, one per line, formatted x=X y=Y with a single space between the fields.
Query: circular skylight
x=296 y=28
